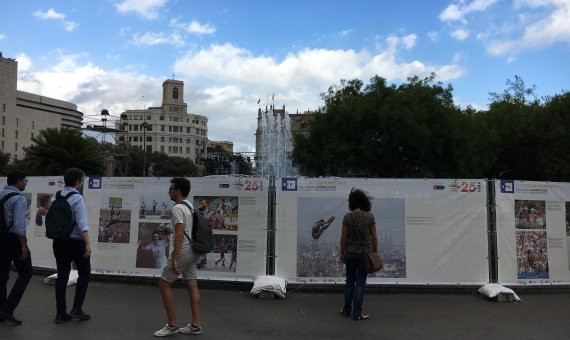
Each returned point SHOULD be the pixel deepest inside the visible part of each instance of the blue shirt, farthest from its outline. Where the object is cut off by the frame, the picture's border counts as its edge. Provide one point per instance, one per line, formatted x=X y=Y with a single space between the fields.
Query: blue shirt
x=77 y=203
x=15 y=211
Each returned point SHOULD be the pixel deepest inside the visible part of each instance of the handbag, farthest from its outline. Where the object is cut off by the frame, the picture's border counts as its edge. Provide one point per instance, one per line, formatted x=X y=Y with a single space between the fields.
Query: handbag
x=372 y=262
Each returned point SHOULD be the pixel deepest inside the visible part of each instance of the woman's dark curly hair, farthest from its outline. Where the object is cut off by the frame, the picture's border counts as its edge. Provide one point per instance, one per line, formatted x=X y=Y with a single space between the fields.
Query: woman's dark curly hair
x=358 y=199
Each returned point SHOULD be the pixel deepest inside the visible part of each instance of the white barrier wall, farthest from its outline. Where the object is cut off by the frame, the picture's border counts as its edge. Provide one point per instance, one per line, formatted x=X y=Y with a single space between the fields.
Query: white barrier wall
x=123 y=214
x=533 y=232
x=430 y=231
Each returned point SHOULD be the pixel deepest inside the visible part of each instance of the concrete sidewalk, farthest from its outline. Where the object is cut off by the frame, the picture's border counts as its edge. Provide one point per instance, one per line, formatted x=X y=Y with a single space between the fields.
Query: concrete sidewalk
x=134 y=311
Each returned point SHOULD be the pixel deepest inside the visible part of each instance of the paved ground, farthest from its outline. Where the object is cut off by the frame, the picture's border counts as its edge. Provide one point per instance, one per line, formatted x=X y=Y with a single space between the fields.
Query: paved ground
x=134 y=311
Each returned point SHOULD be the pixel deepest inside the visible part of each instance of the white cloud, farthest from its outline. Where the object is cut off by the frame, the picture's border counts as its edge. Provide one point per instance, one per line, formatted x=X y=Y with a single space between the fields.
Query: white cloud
x=2 y=36
x=409 y=41
x=226 y=81
x=51 y=14
x=551 y=28
x=345 y=33
x=146 y=8
x=152 y=38
x=460 y=34
x=458 y=11
x=457 y=57
x=24 y=62
x=433 y=35
x=193 y=27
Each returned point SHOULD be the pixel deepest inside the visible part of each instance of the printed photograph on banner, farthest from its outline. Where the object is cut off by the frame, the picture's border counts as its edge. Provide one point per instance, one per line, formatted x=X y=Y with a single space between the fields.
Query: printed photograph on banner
x=319 y=222
x=42 y=205
x=114 y=220
x=224 y=256
x=220 y=211
x=532 y=254
x=155 y=206
x=567 y=218
x=530 y=214
x=28 y=197
x=153 y=245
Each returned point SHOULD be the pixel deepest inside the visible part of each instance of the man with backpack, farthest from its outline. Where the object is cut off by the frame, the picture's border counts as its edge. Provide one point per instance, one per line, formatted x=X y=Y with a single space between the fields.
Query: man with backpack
x=66 y=224
x=182 y=261
x=13 y=245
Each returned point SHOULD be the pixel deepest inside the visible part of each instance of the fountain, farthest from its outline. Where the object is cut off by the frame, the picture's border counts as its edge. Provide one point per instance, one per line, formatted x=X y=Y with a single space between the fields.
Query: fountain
x=274 y=144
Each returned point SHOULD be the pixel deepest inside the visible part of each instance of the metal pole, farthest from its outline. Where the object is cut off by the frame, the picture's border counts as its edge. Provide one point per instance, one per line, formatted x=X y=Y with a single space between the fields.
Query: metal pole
x=270 y=262
x=492 y=232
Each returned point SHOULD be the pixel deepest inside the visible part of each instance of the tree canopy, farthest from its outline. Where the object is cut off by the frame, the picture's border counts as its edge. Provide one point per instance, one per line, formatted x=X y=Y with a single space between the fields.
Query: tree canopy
x=415 y=130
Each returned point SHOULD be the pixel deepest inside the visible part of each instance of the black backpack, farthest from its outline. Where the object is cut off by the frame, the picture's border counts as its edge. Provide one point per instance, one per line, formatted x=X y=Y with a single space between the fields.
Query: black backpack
x=59 y=218
x=202 y=237
x=3 y=226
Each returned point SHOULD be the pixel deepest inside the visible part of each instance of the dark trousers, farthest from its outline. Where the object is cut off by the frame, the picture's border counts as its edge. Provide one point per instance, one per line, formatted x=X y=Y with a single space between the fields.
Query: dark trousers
x=11 y=253
x=355 y=283
x=67 y=251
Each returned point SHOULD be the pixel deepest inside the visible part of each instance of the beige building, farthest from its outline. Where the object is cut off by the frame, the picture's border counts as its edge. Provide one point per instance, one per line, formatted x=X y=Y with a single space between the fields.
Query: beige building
x=25 y=114
x=224 y=145
x=168 y=128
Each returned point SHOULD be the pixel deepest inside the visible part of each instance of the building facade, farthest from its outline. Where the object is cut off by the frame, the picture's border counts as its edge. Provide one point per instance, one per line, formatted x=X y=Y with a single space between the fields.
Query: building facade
x=168 y=128
x=25 y=114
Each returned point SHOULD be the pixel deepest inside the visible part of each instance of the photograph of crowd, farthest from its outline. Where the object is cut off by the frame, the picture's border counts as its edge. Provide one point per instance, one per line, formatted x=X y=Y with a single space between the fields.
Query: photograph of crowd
x=155 y=206
x=532 y=254
x=224 y=256
x=567 y=218
x=220 y=211
x=114 y=221
x=530 y=214
x=42 y=206
x=319 y=222
x=153 y=245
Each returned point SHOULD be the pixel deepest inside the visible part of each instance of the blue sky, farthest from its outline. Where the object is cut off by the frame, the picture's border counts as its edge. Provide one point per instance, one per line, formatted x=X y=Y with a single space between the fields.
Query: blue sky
x=115 y=54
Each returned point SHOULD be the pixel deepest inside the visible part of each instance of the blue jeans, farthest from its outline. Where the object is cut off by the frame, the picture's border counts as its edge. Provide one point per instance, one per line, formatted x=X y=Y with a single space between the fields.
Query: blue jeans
x=355 y=284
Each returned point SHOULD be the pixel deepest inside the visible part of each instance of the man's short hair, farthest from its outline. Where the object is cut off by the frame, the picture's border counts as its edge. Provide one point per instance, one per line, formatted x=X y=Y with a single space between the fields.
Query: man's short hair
x=14 y=176
x=182 y=184
x=72 y=175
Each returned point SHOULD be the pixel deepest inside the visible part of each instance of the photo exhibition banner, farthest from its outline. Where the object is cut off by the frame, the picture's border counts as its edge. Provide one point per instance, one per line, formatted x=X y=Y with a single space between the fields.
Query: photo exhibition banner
x=130 y=224
x=533 y=232
x=429 y=231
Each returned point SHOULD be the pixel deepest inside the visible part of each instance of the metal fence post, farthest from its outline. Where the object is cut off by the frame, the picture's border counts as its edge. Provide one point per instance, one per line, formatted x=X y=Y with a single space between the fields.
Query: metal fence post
x=271 y=206
x=492 y=232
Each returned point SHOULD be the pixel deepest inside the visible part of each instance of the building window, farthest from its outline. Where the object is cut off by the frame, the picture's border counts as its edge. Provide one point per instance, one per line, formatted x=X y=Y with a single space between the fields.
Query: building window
x=148 y=117
x=32 y=135
x=16 y=134
x=2 y=132
x=169 y=149
x=15 y=146
x=141 y=117
x=161 y=117
x=135 y=117
x=197 y=142
x=33 y=125
x=187 y=150
x=197 y=131
x=3 y=107
x=169 y=128
x=162 y=139
x=175 y=93
x=187 y=130
x=3 y=120
x=188 y=141
x=136 y=127
x=161 y=148
x=175 y=129
x=136 y=138
x=162 y=128
x=148 y=138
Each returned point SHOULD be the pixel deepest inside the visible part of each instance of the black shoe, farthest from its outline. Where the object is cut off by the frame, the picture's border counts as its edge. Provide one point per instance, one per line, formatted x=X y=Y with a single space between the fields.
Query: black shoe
x=61 y=318
x=80 y=315
x=10 y=317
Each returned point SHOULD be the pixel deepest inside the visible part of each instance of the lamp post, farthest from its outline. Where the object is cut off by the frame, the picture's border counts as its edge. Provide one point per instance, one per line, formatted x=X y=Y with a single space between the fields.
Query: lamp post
x=144 y=126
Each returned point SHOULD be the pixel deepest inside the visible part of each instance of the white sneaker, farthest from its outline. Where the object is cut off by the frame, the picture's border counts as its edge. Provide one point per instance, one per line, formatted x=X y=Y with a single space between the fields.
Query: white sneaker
x=191 y=329
x=167 y=330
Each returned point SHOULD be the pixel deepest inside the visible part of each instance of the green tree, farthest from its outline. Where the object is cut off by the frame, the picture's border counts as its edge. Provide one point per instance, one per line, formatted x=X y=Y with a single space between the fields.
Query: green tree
x=163 y=165
x=4 y=163
x=411 y=130
x=56 y=149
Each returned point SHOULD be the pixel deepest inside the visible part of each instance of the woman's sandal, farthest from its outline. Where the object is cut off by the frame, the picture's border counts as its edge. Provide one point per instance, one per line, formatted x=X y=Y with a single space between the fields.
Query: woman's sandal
x=361 y=317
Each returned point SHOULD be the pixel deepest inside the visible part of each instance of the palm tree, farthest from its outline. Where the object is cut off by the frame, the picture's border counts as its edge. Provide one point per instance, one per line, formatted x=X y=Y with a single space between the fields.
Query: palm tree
x=57 y=149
